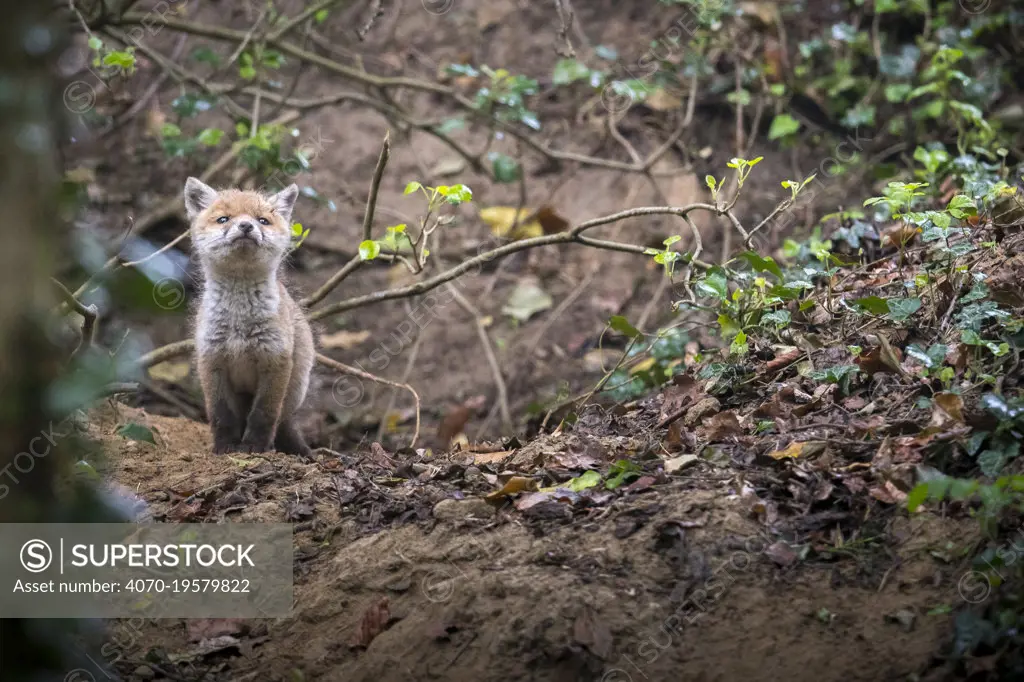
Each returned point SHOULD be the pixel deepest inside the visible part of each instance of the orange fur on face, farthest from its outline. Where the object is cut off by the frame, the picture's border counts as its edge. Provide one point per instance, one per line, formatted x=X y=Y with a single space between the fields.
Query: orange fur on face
x=233 y=203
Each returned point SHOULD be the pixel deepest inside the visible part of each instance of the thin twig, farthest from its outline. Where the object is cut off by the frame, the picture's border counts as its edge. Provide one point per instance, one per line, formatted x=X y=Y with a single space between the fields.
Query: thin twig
x=570 y=236
x=371 y=206
x=352 y=371
x=492 y=360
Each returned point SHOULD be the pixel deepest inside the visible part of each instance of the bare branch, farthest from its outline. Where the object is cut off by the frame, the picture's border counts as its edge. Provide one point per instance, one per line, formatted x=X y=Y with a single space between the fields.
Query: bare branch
x=371 y=206
x=570 y=236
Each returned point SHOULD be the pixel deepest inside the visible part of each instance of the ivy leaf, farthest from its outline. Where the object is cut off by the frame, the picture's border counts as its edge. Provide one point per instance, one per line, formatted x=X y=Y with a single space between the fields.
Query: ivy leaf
x=138 y=432
x=992 y=462
x=783 y=125
x=901 y=309
x=622 y=326
x=762 y=263
x=873 y=304
x=714 y=283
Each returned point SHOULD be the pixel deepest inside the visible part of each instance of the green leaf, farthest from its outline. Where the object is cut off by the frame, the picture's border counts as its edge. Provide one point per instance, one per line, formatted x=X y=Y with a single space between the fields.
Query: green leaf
x=95 y=43
x=739 y=345
x=211 y=137
x=569 y=71
x=588 y=479
x=917 y=496
x=412 y=187
x=714 y=283
x=170 y=130
x=456 y=194
x=369 y=249
x=992 y=462
x=873 y=304
x=900 y=309
x=961 y=207
x=138 y=432
x=622 y=471
x=505 y=168
x=783 y=125
x=762 y=263
x=622 y=326
x=122 y=60
x=205 y=55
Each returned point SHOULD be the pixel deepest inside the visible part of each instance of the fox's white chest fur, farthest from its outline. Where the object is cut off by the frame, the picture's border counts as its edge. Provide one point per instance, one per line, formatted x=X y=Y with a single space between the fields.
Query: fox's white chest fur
x=239 y=324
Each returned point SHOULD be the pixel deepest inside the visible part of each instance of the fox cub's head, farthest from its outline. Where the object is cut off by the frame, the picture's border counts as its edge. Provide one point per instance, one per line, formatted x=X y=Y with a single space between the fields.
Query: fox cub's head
x=238 y=230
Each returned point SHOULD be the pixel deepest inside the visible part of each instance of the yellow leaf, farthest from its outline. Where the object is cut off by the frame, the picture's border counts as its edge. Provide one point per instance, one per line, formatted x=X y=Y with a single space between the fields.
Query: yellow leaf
x=661 y=100
x=516 y=484
x=171 y=372
x=642 y=366
x=801 y=449
x=344 y=339
x=501 y=219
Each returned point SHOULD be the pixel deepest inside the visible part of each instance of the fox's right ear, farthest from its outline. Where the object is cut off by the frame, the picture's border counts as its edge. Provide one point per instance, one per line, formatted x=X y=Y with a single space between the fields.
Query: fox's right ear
x=198 y=197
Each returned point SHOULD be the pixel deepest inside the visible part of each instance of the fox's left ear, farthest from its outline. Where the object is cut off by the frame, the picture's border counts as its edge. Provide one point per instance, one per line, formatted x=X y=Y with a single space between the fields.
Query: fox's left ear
x=284 y=201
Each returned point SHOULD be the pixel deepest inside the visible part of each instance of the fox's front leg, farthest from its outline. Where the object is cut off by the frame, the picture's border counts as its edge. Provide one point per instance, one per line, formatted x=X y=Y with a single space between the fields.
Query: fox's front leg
x=265 y=414
x=222 y=409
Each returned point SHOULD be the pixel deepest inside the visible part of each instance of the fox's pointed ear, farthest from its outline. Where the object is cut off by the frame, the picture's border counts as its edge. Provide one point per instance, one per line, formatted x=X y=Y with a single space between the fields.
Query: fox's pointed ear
x=198 y=197
x=284 y=201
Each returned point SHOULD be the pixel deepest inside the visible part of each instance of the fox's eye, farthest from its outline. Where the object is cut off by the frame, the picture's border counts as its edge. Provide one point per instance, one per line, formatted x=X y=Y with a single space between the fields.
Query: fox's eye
x=264 y=221
x=223 y=219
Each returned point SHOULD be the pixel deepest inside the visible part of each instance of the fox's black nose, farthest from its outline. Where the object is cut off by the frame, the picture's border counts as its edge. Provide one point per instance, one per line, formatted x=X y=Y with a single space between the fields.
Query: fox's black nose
x=245 y=228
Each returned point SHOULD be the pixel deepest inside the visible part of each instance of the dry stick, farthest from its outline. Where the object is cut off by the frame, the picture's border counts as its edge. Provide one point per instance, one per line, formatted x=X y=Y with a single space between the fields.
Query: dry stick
x=300 y=17
x=383 y=82
x=565 y=15
x=569 y=236
x=410 y=362
x=371 y=208
x=89 y=313
x=485 y=341
x=352 y=371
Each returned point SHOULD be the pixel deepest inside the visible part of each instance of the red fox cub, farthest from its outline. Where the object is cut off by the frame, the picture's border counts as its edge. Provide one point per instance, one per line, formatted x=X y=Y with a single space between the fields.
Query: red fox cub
x=253 y=343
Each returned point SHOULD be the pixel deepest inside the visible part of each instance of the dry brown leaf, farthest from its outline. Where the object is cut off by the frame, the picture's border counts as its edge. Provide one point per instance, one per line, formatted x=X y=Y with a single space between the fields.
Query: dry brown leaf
x=453 y=423
x=516 y=484
x=784 y=355
x=799 y=449
x=723 y=426
x=662 y=100
x=948 y=406
x=888 y=493
x=492 y=457
x=550 y=220
x=375 y=621
x=679 y=463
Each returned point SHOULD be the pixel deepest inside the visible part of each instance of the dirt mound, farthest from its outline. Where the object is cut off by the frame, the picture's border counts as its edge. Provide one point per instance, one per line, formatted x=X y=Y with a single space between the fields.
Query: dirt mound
x=405 y=571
